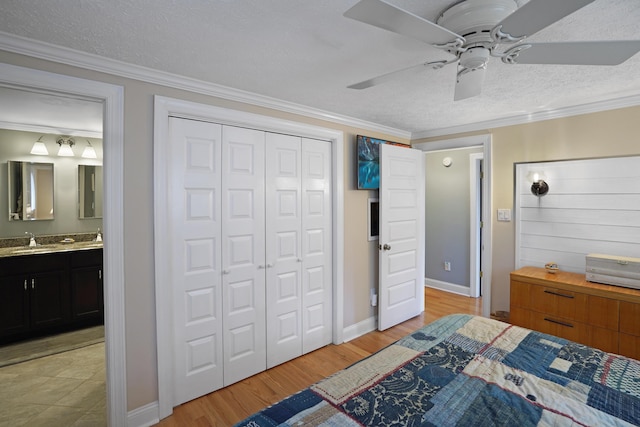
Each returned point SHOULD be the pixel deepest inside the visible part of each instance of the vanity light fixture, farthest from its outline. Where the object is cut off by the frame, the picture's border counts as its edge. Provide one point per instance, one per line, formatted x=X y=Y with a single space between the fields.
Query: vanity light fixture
x=65 y=144
x=89 y=152
x=538 y=186
x=39 y=148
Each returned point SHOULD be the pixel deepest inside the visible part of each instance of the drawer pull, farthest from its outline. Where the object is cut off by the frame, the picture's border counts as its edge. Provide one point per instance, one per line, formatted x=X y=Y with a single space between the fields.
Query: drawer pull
x=558 y=322
x=546 y=291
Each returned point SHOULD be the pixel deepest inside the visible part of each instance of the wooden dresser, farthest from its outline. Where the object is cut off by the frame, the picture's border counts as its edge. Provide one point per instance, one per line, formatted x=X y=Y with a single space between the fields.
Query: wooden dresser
x=566 y=305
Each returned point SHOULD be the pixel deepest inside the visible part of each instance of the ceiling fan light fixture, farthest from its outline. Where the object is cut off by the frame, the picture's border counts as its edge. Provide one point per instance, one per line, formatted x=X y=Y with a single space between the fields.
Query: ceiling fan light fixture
x=476 y=57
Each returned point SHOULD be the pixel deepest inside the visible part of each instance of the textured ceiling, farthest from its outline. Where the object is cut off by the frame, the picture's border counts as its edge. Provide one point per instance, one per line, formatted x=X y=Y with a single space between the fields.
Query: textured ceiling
x=306 y=52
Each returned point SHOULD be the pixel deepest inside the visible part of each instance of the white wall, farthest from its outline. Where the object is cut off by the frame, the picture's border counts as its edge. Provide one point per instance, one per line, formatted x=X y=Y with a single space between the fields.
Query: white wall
x=593 y=206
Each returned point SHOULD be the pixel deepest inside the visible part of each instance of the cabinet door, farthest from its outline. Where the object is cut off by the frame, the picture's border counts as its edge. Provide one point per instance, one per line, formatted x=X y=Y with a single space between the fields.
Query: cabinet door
x=630 y=318
x=87 y=294
x=14 y=305
x=50 y=301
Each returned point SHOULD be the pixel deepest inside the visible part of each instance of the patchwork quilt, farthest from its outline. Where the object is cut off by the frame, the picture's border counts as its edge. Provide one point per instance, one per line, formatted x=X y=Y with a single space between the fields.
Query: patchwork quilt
x=463 y=370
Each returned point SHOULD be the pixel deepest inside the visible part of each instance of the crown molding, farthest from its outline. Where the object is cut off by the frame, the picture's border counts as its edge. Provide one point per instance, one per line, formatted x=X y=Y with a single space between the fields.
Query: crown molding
x=50 y=52
x=41 y=50
x=591 y=107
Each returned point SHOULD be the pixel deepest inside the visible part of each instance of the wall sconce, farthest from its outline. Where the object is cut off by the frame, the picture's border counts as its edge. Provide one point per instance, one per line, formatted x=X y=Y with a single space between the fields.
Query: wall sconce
x=39 y=148
x=89 y=152
x=538 y=185
x=65 y=146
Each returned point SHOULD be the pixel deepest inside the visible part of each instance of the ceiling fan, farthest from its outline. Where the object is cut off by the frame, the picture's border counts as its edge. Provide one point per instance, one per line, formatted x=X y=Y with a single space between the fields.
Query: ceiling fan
x=471 y=31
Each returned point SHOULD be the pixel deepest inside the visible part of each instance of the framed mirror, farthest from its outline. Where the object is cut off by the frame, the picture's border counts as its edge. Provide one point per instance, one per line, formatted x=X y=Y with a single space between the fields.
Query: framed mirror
x=30 y=191
x=89 y=191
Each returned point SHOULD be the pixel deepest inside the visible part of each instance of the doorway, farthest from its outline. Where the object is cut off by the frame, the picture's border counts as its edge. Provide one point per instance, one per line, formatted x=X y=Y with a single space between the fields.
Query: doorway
x=480 y=250
x=112 y=98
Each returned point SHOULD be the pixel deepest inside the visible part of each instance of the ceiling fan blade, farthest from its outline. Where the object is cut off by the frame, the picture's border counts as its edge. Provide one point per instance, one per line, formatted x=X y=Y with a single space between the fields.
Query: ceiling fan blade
x=469 y=83
x=575 y=53
x=386 y=16
x=538 y=14
x=387 y=77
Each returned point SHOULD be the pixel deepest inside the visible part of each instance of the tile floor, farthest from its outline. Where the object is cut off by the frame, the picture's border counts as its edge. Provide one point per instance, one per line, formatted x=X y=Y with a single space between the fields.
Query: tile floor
x=63 y=390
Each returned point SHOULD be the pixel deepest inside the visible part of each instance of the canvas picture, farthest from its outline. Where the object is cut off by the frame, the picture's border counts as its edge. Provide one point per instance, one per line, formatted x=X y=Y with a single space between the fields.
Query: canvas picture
x=369 y=161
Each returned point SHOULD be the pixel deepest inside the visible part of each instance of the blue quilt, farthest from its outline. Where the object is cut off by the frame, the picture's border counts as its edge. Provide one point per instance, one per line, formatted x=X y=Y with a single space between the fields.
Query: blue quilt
x=464 y=370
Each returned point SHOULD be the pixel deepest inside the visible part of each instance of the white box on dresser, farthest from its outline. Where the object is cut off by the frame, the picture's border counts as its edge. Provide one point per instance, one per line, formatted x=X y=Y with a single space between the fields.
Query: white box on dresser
x=613 y=270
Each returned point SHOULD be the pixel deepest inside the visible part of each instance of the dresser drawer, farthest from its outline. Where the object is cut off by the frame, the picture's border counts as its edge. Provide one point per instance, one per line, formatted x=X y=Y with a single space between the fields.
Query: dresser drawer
x=603 y=312
x=630 y=346
x=630 y=318
x=559 y=303
x=563 y=328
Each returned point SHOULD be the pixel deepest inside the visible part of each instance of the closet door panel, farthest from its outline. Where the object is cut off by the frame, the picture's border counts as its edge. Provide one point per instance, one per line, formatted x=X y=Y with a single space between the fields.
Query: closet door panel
x=194 y=184
x=243 y=279
x=283 y=242
x=316 y=244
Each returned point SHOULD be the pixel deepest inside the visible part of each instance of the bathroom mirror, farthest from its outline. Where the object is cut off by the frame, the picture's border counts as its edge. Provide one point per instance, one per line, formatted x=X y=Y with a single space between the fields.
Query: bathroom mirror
x=89 y=191
x=30 y=191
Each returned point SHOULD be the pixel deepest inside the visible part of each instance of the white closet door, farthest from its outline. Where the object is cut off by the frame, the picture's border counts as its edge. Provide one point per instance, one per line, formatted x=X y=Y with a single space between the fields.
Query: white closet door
x=194 y=186
x=243 y=252
x=316 y=244
x=284 y=248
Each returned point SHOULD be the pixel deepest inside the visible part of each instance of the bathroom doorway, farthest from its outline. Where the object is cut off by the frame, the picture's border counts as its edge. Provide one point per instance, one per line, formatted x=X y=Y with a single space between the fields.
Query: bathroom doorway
x=111 y=98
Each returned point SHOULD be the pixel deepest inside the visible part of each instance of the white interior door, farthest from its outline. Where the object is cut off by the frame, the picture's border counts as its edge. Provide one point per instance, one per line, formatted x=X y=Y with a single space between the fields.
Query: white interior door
x=194 y=179
x=284 y=248
x=243 y=248
x=317 y=270
x=401 y=235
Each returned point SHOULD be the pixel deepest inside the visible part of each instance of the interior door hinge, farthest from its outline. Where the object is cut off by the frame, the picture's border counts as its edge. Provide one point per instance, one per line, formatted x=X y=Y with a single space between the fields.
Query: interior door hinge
x=481 y=275
x=481 y=224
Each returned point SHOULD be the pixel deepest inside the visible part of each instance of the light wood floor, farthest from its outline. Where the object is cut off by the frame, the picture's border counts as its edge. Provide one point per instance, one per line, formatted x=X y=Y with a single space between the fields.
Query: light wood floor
x=231 y=404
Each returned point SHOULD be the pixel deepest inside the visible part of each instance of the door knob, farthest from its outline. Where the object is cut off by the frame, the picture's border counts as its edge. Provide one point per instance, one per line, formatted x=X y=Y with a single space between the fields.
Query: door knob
x=386 y=247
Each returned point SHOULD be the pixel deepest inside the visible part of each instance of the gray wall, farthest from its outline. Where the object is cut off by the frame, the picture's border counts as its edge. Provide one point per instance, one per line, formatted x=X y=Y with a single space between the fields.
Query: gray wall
x=16 y=145
x=447 y=216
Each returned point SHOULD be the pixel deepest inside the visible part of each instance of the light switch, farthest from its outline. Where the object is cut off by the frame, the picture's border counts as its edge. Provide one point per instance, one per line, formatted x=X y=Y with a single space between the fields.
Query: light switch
x=504 y=215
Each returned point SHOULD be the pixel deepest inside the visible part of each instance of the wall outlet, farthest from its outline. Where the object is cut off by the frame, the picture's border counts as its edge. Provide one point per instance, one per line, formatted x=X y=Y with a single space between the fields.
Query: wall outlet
x=447 y=266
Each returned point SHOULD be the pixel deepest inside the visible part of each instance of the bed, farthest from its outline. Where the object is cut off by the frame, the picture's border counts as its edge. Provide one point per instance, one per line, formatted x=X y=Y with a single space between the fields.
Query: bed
x=464 y=370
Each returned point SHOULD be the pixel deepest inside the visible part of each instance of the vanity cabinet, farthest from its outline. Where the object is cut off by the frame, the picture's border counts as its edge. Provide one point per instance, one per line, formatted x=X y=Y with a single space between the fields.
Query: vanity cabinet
x=49 y=292
x=87 y=298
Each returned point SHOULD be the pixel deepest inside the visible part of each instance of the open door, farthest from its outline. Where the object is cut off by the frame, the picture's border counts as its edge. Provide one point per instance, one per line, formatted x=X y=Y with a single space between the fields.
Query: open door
x=401 y=241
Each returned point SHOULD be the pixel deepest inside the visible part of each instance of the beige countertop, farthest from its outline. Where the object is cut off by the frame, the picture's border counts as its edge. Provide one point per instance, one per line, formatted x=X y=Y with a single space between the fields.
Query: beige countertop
x=48 y=248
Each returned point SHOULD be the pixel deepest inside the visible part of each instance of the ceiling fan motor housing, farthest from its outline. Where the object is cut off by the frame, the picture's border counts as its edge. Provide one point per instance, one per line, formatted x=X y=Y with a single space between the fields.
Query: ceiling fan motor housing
x=474 y=19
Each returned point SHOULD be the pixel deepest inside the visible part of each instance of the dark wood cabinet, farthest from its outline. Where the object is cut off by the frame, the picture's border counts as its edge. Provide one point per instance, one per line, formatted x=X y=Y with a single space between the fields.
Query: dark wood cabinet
x=87 y=298
x=14 y=305
x=52 y=292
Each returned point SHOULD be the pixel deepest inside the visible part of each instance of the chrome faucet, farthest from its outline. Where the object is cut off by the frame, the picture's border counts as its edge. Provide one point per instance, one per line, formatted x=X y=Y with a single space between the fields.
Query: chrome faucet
x=32 y=239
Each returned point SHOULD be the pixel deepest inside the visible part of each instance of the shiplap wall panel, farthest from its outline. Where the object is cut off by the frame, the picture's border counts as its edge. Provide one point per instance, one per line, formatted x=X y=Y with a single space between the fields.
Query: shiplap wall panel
x=593 y=206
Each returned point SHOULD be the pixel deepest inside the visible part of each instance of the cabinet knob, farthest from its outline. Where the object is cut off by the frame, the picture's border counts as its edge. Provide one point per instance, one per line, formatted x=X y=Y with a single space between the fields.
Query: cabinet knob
x=33 y=283
x=25 y=284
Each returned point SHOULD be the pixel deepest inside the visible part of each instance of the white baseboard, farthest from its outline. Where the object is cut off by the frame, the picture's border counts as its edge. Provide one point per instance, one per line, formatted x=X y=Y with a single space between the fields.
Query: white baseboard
x=449 y=287
x=360 y=328
x=144 y=416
